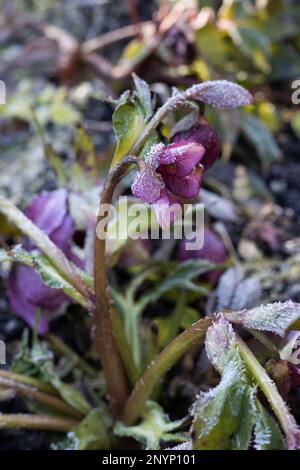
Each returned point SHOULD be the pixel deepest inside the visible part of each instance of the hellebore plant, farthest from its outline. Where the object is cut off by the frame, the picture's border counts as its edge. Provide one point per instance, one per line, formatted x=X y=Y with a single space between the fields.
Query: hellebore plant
x=167 y=173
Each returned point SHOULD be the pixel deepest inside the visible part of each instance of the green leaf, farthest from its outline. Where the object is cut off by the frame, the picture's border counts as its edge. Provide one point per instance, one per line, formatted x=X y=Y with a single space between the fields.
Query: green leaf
x=38 y=362
x=128 y=121
x=226 y=416
x=211 y=45
x=267 y=435
x=143 y=93
x=63 y=113
x=218 y=413
x=254 y=44
x=180 y=277
x=295 y=122
x=90 y=434
x=154 y=428
x=260 y=136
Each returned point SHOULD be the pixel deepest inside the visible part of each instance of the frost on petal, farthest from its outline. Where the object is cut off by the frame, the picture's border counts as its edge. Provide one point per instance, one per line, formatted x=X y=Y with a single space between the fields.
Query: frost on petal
x=220 y=94
x=166 y=208
x=186 y=186
x=153 y=157
x=186 y=154
x=147 y=185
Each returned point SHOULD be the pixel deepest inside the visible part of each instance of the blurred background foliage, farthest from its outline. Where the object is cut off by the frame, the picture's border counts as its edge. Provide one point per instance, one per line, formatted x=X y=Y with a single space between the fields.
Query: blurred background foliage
x=52 y=68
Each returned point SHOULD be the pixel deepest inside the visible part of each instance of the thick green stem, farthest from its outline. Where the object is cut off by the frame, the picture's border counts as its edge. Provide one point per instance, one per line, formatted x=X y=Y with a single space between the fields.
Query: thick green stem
x=278 y=405
x=28 y=421
x=161 y=364
x=65 y=268
x=112 y=365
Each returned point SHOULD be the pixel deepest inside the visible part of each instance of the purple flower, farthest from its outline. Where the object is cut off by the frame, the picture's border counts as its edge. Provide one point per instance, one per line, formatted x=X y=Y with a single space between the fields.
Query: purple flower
x=205 y=135
x=170 y=173
x=213 y=250
x=26 y=290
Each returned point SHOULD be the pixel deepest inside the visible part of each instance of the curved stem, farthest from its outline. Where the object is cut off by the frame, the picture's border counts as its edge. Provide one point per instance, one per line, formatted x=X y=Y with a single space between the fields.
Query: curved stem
x=161 y=364
x=28 y=421
x=41 y=397
x=112 y=365
x=24 y=379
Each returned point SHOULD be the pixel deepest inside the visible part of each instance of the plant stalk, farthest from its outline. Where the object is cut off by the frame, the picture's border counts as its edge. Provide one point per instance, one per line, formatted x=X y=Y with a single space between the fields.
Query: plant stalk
x=112 y=365
x=30 y=421
x=41 y=397
x=161 y=364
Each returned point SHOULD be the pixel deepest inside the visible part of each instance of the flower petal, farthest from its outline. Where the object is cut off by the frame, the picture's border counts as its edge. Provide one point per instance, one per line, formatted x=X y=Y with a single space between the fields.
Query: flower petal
x=26 y=292
x=205 y=135
x=48 y=210
x=213 y=250
x=186 y=186
x=165 y=209
x=187 y=155
x=147 y=185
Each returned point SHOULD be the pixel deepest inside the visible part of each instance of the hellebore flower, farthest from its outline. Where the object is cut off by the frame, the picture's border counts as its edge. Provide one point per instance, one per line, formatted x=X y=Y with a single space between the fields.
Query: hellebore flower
x=169 y=174
x=26 y=290
x=204 y=134
x=213 y=250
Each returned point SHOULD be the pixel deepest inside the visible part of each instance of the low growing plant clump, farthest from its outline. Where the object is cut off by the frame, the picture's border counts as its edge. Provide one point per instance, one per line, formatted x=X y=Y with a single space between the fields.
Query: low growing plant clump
x=161 y=159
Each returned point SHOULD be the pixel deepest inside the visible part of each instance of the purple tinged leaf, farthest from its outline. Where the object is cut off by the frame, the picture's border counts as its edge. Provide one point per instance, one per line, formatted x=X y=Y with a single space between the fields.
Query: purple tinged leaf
x=220 y=94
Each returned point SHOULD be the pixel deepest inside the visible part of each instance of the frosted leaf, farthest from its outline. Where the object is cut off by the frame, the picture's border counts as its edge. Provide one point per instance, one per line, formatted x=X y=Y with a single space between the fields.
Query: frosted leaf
x=217 y=414
x=220 y=94
x=184 y=446
x=277 y=317
x=219 y=343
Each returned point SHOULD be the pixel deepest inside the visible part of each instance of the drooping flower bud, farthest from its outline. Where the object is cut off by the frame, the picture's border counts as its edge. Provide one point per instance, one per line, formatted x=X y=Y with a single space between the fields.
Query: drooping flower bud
x=170 y=173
